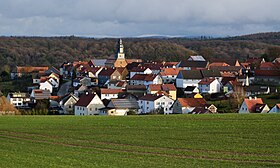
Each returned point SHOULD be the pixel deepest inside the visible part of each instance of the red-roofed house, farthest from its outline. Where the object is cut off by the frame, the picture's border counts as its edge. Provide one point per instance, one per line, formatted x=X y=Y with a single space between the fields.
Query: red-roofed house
x=140 y=70
x=170 y=89
x=253 y=105
x=209 y=85
x=155 y=102
x=110 y=93
x=275 y=109
x=269 y=66
x=169 y=75
x=145 y=79
x=267 y=76
x=187 y=105
x=88 y=104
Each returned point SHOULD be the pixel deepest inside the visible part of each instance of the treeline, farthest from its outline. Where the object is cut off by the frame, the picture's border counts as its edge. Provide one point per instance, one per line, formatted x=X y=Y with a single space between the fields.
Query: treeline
x=39 y=51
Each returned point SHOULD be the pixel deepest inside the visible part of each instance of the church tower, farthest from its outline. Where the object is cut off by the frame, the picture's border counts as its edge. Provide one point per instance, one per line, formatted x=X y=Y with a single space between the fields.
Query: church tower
x=120 y=54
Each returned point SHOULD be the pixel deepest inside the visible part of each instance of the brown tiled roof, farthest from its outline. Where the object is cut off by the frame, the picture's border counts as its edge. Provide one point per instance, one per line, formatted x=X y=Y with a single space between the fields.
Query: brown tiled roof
x=133 y=60
x=139 y=69
x=120 y=69
x=144 y=77
x=111 y=91
x=192 y=102
x=107 y=72
x=151 y=97
x=251 y=103
x=85 y=99
x=267 y=73
x=269 y=65
x=163 y=87
x=170 y=71
x=136 y=87
x=206 y=81
x=218 y=64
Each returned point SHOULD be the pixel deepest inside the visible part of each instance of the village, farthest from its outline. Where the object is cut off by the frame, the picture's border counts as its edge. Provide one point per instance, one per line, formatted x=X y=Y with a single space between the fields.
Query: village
x=120 y=86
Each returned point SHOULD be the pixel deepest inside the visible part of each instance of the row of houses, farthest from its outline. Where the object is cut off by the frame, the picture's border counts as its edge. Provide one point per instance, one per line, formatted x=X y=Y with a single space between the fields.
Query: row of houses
x=145 y=87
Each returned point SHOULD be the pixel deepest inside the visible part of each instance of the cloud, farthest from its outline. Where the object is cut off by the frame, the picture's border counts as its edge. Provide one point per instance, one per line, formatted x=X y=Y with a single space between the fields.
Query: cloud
x=133 y=18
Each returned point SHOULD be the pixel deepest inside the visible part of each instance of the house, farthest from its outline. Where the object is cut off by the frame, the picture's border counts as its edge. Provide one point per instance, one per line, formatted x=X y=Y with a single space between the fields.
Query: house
x=88 y=104
x=170 y=89
x=110 y=93
x=209 y=85
x=155 y=67
x=267 y=76
x=169 y=75
x=187 y=78
x=39 y=94
x=187 y=105
x=138 y=90
x=155 y=103
x=145 y=79
x=275 y=109
x=46 y=85
x=226 y=70
x=19 y=100
x=253 y=105
x=67 y=103
x=79 y=90
x=108 y=74
x=120 y=107
x=116 y=84
x=254 y=90
x=140 y=70
x=123 y=71
x=192 y=65
x=170 y=64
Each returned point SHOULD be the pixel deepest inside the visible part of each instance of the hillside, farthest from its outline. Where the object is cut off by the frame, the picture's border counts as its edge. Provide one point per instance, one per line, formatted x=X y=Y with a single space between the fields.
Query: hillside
x=141 y=141
x=55 y=50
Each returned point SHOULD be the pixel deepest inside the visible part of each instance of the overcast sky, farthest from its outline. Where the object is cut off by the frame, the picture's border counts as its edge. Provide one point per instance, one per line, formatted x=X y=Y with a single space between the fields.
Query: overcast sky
x=123 y=18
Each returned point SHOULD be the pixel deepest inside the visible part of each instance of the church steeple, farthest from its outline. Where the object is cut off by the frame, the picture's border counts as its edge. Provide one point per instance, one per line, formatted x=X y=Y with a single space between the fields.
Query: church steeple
x=120 y=54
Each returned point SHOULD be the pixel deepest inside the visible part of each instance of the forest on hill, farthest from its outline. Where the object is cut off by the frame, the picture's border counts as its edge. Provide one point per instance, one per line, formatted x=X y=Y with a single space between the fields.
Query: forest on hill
x=53 y=51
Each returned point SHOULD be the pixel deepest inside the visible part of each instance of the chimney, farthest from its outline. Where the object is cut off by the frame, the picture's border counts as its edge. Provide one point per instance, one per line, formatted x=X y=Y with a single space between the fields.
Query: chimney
x=86 y=92
x=250 y=98
x=255 y=97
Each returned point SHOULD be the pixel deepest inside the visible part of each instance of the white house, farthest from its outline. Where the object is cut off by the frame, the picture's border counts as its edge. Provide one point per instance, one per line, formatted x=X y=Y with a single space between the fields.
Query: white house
x=140 y=70
x=187 y=78
x=152 y=102
x=110 y=93
x=67 y=103
x=46 y=86
x=169 y=75
x=88 y=104
x=253 y=105
x=275 y=109
x=19 y=100
x=209 y=85
x=145 y=79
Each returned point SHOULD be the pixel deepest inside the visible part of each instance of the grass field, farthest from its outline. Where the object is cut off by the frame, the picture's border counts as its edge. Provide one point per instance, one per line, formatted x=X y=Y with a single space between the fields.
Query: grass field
x=229 y=140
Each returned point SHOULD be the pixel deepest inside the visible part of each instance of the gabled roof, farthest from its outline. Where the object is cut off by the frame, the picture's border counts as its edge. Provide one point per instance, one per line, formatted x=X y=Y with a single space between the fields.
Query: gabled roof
x=139 y=69
x=99 y=62
x=170 y=71
x=162 y=87
x=217 y=64
x=67 y=97
x=107 y=71
x=251 y=103
x=196 y=58
x=191 y=74
x=151 y=97
x=206 y=81
x=144 y=77
x=111 y=91
x=123 y=104
x=227 y=68
x=267 y=73
x=210 y=73
x=85 y=99
x=136 y=87
x=192 y=102
x=41 y=94
x=190 y=88
x=193 y=64
x=269 y=65
x=226 y=80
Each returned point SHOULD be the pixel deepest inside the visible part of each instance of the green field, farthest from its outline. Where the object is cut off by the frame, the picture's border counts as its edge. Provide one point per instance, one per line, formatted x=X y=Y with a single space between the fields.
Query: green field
x=229 y=140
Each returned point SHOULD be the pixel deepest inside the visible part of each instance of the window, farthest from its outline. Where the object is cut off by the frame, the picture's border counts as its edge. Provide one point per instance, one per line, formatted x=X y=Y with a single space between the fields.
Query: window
x=90 y=109
x=170 y=103
x=162 y=103
x=95 y=109
x=70 y=106
x=158 y=103
x=147 y=102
